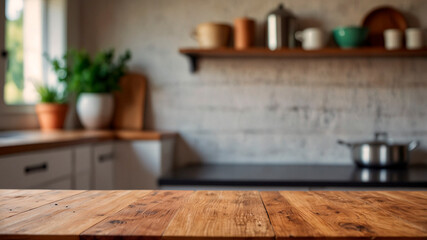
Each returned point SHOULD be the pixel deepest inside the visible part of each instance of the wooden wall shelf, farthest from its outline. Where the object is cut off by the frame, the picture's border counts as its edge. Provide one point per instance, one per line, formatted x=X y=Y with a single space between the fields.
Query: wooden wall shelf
x=195 y=53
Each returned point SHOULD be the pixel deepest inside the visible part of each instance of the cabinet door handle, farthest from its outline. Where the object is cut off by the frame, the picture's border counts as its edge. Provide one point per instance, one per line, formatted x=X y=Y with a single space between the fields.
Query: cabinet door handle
x=105 y=157
x=35 y=168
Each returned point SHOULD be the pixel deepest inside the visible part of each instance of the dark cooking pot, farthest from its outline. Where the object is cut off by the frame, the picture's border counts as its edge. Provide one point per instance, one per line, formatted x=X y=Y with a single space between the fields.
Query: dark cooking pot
x=380 y=152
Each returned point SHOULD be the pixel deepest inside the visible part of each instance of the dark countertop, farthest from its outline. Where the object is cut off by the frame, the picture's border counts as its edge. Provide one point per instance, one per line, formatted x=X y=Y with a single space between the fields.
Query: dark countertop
x=295 y=175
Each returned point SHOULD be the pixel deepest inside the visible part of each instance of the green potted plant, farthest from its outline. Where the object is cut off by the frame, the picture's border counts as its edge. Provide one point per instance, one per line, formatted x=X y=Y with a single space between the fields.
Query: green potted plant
x=52 y=109
x=94 y=80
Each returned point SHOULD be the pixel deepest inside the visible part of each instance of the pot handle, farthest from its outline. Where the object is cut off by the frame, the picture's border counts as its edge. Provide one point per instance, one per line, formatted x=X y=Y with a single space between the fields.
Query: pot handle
x=341 y=142
x=413 y=145
x=299 y=36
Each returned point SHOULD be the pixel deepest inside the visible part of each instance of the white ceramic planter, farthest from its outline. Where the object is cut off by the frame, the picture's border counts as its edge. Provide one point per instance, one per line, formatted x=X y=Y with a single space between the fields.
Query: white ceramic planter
x=95 y=110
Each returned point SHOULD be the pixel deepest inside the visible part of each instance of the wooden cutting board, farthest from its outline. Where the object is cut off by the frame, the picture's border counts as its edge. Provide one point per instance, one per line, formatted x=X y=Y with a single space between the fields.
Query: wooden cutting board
x=381 y=19
x=130 y=103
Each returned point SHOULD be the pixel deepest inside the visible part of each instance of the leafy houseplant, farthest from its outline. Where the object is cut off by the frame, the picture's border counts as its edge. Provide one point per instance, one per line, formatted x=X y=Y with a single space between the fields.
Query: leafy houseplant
x=98 y=75
x=94 y=80
x=52 y=109
x=50 y=94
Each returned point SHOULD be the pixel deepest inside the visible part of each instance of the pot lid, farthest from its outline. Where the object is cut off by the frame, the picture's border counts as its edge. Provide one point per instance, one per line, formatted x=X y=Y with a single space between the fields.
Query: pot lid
x=280 y=11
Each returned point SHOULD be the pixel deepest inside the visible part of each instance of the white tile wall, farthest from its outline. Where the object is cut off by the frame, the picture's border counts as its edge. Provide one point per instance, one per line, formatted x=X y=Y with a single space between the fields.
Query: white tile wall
x=263 y=110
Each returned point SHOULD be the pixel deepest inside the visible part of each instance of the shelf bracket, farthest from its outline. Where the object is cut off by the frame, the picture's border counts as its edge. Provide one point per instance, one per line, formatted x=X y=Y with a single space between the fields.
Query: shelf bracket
x=194 y=59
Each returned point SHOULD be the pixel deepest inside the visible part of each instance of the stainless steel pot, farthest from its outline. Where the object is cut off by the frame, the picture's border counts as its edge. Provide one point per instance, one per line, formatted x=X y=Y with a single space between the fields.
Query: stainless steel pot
x=281 y=28
x=381 y=152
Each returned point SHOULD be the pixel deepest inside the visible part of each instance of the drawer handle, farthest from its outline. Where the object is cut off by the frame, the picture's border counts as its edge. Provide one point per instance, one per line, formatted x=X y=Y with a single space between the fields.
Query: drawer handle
x=105 y=157
x=36 y=168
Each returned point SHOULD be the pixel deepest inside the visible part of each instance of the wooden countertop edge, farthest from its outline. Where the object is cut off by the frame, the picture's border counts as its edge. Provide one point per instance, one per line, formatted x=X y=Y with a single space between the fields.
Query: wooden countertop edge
x=222 y=237
x=143 y=135
x=149 y=207
x=71 y=138
x=5 y=150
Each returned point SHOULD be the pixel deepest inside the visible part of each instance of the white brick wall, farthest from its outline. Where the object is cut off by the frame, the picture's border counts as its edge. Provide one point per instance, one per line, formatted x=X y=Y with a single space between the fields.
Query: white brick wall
x=263 y=110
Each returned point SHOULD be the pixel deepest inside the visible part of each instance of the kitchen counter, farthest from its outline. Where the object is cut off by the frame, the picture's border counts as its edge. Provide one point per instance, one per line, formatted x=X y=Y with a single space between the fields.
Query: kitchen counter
x=145 y=214
x=21 y=141
x=295 y=176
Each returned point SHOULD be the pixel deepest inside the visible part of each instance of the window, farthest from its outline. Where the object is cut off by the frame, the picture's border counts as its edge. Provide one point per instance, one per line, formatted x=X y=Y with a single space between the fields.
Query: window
x=13 y=88
x=32 y=28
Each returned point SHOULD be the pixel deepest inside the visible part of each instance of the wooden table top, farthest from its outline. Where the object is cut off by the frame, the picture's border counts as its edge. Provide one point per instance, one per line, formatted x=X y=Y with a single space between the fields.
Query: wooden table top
x=152 y=214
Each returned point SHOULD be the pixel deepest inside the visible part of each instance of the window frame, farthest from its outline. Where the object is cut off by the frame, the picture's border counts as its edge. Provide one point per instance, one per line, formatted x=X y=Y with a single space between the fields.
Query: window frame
x=26 y=108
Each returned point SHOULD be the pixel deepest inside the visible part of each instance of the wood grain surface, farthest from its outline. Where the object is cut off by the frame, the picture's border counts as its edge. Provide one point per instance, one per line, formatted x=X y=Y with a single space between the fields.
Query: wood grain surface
x=13 y=202
x=67 y=218
x=143 y=135
x=380 y=19
x=405 y=196
x=396 y=205
x=25 y=141
x=146 y=218
x=299 y=52
x=288 y=221
x=221 y=214
x=337 y=215
x=139 y=214
x=129 y=103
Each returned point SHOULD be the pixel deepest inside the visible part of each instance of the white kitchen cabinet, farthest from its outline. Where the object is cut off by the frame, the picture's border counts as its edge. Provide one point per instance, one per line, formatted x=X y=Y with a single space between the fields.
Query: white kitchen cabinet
x=37 y=169
x=103 y=166
x=140 y=163
x=57 y=184
x=133 y=164
x=82 y=170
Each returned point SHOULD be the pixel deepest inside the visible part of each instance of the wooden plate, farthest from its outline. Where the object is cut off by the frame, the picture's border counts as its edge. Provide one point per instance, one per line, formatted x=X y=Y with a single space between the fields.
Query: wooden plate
x=380 y=19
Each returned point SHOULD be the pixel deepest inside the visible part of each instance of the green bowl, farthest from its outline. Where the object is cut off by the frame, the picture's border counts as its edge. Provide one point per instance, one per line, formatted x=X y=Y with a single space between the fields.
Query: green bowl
x=350 y=37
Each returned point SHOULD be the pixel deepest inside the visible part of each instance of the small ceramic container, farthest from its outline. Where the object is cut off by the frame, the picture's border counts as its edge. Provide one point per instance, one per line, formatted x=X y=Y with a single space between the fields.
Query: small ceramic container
x=393 y=39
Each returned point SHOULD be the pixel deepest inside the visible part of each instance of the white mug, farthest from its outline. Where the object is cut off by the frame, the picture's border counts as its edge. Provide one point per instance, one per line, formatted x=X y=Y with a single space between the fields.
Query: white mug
x=311 y=38
x=392 y=39
x=414 y=38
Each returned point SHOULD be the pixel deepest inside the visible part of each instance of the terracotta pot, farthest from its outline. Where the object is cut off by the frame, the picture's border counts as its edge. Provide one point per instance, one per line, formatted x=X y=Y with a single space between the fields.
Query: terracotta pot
x=244 y=33
x=51 y=115
x=212 y=35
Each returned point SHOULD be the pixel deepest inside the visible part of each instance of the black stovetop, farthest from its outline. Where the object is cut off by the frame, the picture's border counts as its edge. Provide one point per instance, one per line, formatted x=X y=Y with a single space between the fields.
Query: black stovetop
x=295 y=175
